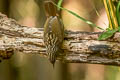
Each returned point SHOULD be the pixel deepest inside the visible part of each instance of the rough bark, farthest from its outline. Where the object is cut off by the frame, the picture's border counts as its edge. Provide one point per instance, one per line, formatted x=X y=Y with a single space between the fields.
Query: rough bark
x=78 y=47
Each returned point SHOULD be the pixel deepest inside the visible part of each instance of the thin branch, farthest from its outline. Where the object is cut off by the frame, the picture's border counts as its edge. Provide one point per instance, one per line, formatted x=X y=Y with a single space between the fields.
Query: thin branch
x=78 y=47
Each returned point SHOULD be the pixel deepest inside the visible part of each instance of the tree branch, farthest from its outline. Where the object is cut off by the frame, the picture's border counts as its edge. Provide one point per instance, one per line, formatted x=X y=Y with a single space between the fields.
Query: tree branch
x=78 y=47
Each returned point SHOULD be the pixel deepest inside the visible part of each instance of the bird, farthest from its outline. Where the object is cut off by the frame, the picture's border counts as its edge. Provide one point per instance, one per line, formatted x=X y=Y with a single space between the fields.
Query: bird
x=53 y=31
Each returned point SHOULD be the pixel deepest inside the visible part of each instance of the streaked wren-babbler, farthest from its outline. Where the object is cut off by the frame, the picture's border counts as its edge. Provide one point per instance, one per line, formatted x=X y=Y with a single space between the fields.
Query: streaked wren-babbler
x=53 y=31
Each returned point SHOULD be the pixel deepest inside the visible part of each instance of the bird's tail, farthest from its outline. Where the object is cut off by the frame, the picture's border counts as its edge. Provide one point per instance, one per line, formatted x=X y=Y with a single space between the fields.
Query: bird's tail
x=50 y=8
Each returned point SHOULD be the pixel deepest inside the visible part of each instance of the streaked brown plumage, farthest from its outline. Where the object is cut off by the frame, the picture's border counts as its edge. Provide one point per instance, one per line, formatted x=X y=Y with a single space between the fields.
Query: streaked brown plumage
x=53 y=32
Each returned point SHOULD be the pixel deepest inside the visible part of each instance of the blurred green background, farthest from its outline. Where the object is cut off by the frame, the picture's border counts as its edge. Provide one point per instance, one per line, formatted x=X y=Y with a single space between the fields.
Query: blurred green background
x=33 y=67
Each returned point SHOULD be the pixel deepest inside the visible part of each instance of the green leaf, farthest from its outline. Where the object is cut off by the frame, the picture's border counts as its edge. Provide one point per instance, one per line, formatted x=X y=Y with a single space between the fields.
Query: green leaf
x=86 y=21
x=81 y=18
x=118 y=12
x=107 y=34
x=118 y=28
x=59 y=4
